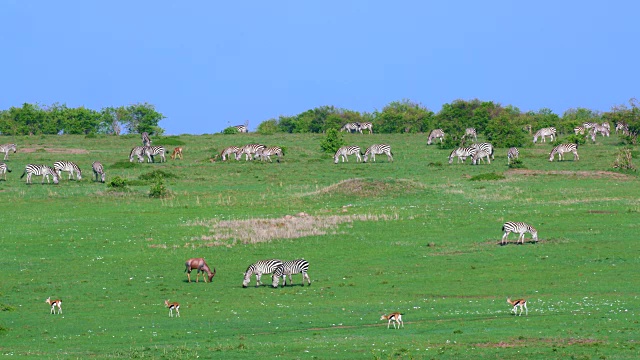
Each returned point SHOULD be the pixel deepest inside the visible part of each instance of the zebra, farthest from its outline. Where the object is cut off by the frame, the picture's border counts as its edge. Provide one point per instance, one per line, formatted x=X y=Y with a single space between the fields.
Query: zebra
x=249 y=150
x=347 y=150
x=290 y=268
x=146 y=140
x=599 y=129
x=40 y=170
x=6 y=148
x=544 y=132
x=60 y=166
x=265 y=153
x=241 y=128
x=588 y=125
x=579 y=130
x=519 y=228
x=137 y=151
x=486 y=147
x=471 y=132
x=563 y=148
x=366 y=126
x=480 y=154
x=435 y=134
x=378 y=149
x=513 y=153
x=607 y=125
x=462 y=153
x=4 y=170
x=152 y=151
x=228 y=151
x=622 y=126
x=259 y=268
x=351 y=127
x=98 y=170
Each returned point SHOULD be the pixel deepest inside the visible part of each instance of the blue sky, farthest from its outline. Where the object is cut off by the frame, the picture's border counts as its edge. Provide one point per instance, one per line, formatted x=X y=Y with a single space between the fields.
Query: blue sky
x=209 y=64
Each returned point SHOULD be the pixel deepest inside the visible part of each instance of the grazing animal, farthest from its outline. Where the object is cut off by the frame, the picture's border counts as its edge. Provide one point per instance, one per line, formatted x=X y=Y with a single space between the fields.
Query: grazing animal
x=347 y=150
x=137 y=151
x=607 y=125
x=579 y=130
x=518 y=302
x=249 y=150
x=366 y=126
x=98 y=171
x=4 y=170
x=241 y=128
x=395 y=317
x=259 y=268
x=462 y=153
x=479 y=155
x=378 y=149
x=265 y=153
x=351 y=127
x=228 y=151
x=290 y=268
x=6 y=148
x=589 y=125
x=597 y=128
x=563 y=148
x=435 y=134
x=544 y=132
x=513 y=153
x=201 y=267
x=518 y=228
x=622 y=126
x=177 y=153
x=146 y=140
x=67 y=166
x=471 y=132
x=54 y=304
x=40 y=170
x=173 y=306
x=487 y=147
x=152 y=151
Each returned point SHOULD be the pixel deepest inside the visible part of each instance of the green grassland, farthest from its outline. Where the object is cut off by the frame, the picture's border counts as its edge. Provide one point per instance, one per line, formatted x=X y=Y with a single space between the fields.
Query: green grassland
x=416 y=235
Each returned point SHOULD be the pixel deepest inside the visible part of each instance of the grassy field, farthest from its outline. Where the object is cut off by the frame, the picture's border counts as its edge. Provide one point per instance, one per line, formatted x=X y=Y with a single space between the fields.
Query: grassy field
x=416 y=236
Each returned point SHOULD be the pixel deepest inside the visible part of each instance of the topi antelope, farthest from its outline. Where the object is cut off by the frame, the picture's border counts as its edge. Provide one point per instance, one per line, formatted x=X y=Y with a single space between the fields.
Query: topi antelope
x=53 y=304
x=177 y=153
x=395 y=317
x=172 y=306
x=201 y=266
x=519 y=302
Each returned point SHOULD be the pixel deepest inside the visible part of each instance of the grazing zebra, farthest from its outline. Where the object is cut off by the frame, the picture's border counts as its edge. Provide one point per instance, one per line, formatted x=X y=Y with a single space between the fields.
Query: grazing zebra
x=146 y=140
x=98 y=170
x=241 y=128
x=563 y=148
x=378 y=149
x=266 y=153
x=6 y=148
x=137 y=151
x=351 y=127
x=228 y=151
x=513 y=153
x=544 y=132
x=249 y=151
x=619 y=126
x=589 y=125
x=607 y=125
x=579 y=130
x=152 y=151
x=435 y=134
x=366 y=126
x=4 y=170
x=290 y=268
x=40 y=170
x=599 y=129
x=518 y=228
x=462 y=153
x=471 y=132
x=480 y=154
x=486 y=147
x=259 y=268
x=347 y=150
x=60 y=166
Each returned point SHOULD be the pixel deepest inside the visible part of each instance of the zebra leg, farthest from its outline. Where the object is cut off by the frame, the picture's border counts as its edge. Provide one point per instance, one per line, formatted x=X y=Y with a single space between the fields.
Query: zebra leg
x=306 y=276
x=575 y=156
x=504 y=237
x=258 y=282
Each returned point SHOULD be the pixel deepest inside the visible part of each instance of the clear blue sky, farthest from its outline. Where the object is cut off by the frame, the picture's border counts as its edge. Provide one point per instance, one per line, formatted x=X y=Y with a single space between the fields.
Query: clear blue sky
x=209 y=64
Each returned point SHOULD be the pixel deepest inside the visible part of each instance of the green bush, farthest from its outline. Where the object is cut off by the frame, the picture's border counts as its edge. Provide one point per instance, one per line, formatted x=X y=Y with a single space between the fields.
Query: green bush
x=157 y=174
x=268 y=127
x=117 y=183
x=91 y=136
x=487 y=176
x=573 y=138
x=158 y=190
x=450 y=142
x=516 y=164
x=230 y=130
x=332 y=142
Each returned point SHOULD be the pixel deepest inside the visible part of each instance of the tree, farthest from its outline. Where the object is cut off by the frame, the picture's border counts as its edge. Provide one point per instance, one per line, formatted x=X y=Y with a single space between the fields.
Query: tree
x=333 y=141
x=140 y=118
x=402 y=116
x=502 y=132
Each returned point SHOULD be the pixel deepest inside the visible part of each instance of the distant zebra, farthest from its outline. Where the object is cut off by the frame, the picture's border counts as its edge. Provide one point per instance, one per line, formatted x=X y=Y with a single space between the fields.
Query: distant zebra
x=146 y=140
x=267 y=152
x=471 y=132
x=98 y=171
x=351 y=127
x=544 y=132
x=290 y=268
x=435 y=134
x=6 y=148
x=607 y=125
x=137 y=151
x=228 y=151
x=599 y=129
x=462 y=153
x=480 y=154
x=513 y=153
x=579 y=130
x=259 y=268
x=39 y=170
x=60 y=166
x=563 y=148
x=588 y=125
x=4 y=170
x=241 y=128
x=622 y=126
x=486 y=147
x=249 y=150
x=366 y=126
x=378 y=149
x=344 y=151
x=518 y=228
x=152 y=151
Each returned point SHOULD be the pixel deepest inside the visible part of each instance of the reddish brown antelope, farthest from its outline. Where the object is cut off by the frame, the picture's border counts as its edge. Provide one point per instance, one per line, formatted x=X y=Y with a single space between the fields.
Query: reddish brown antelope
x=54 y=304
x=173 y=306
x=395 y=317
x=177 y=153
x=519 y=302
x=201 y=267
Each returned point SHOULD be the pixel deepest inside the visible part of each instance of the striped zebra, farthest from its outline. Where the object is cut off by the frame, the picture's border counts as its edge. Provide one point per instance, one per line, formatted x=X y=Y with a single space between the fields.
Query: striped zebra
x=249 y=151
x=351 y=127
x=98 y=171
x=588 y=125
x=513 y=153
x=259 y=268
x=599 y=129
x=366 y=126
x=480 y=154
x=564 y=148
x=518 y=228
x=137 y=151
x=579 y=130
x=6 y=148
x=67 y=166
x=4 y=170
x=266 y=153
x=544 y=132
x=290 y=268
x=378 y=149
x=152 y=151
x=435 y=134
x=620 y=126
x=241 y=128
x=471 y=132
x=486 y=147
x=146 y=140
x=40 y=170
x=607 y=125
x=228 y=151
x=462 y=153
x=344 y=151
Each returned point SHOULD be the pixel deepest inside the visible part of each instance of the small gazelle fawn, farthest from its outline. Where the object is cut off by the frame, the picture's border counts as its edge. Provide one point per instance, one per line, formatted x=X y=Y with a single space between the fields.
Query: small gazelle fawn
x=172 y=306
x=53 y=304
x=519 y=302
x=395 y=317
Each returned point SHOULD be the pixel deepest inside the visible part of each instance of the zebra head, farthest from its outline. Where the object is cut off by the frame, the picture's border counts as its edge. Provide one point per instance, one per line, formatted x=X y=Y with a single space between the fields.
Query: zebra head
x=247 y=278
x=534 y=234
x=276 y=280
x=452 y=155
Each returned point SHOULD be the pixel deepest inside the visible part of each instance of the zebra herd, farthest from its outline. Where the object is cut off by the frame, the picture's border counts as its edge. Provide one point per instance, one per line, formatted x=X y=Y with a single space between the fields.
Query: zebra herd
x=357 y=127
x=252 y=152
x=279 y=269
x=371 y=152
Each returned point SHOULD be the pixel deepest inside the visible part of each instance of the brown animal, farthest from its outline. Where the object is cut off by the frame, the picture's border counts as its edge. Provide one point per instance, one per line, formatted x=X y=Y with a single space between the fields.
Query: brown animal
x=53 y=304
x=201 y=267
x=519 y=302
x=177 y=152
x=172 y=306
x=395 y=317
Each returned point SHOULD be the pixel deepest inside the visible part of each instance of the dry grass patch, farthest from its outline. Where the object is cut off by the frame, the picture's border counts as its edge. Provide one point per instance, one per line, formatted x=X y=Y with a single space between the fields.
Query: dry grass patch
x=584 y=174
x=368 y=187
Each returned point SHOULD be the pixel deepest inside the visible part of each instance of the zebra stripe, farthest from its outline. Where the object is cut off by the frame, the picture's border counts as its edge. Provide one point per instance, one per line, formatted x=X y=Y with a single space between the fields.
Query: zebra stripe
x=462 y=153
x=366 y=126
x=518 y=228
x=98 y=170
x=563 y=148
x=267 y=152
x=137 y=151
x=6 y=148
x=378 y=149
x=344 y=151
x=249 y=151
x=290 y=268
x=435 y=134
x=152 y=151
x=146 y=140
x=241 y=128
x=4 y=170
x=487 y=147
x=544 y=132
x=598 y=129
x=259 y=268
x=480 y=154
x=623 y=127
x=589 y=125
x=471 y=132
x=39 y=170
x=513 y=153
x=228 y=151
x=67 y=166
x=351 y=127
x=579 y=130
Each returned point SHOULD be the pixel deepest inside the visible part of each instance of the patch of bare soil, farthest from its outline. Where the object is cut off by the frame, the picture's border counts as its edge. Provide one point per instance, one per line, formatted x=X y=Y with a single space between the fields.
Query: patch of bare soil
x=586 y=174
x=55 y=150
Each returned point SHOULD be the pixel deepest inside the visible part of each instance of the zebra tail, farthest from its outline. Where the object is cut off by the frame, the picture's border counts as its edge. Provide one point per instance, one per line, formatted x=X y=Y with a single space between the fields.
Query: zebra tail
x=23 y=174
x=502 y=227
x=9 y=170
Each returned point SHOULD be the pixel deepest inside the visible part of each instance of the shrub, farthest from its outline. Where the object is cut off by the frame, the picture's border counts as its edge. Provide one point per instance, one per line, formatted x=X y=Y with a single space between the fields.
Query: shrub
x=117 y=183
x=487 y=176
x=623 y=160
x=268 y=127
x=230 y=130
x=450 y=142
x=333 y=141
x=91 y=136
x=573 y=138
x=157 y=174
x=516 y=164
x=158 y=190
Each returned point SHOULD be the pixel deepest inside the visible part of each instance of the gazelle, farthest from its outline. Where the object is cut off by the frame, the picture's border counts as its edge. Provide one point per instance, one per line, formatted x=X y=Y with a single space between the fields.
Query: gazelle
x=177 y=152
x=201 y=267
x=172 y=306
x=53 y=304
x=519 y=302
x=395 y=317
